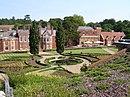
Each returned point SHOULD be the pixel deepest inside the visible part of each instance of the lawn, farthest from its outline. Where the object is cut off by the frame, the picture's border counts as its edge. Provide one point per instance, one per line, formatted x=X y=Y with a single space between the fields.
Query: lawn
x=4 y=56
x=13 y=61
x=84 y=50
x=113 y=49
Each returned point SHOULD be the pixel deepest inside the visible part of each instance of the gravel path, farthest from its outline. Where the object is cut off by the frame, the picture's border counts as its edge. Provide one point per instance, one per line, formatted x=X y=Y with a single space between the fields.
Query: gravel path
x=108 y=50
x=75 y=68
x=3 y=76
x=70 y=68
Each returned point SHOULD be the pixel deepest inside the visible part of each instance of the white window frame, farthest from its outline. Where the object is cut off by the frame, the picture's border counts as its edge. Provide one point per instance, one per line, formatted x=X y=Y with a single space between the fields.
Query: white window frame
x=25 y=39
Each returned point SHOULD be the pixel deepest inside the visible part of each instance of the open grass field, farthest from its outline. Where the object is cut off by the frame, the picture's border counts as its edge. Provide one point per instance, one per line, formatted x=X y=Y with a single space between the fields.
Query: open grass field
x=84 y=50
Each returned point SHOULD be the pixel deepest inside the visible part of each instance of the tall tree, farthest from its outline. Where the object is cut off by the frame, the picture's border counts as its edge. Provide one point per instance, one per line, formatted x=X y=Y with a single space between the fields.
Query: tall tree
x=55 y=22
x=60 y=40
x=34 y=39
x=70 y=24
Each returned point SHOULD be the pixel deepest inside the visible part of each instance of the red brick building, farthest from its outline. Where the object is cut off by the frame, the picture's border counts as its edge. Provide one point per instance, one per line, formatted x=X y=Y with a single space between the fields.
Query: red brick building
x=13 y=40
x=108 y=38
x=89 y=36
x=6 y=27
x=48 y=35
x=95 y=37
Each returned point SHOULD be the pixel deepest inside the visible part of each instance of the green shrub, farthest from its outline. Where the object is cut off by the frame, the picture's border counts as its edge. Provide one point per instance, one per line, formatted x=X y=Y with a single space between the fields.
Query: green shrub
x=48 y=59
x=120 y=81
x=81 y=91
x=84 y=68
x=98 y=78
x=103 y=86
x=127 y=70
x=97 y=72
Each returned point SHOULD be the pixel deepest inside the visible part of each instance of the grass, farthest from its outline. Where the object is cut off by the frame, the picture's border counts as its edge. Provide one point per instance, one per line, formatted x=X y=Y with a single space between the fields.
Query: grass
x=81 y=91
x=84 y=50
x=13 y=61
x=103 y=86
x=113 y=49
x=120 y=81
x=32 y=86
x=97 y=72
x=1 y=85
x=5 y=56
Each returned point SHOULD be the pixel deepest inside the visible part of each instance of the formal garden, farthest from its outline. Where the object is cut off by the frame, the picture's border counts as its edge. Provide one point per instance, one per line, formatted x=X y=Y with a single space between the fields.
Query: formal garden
x=99 y=81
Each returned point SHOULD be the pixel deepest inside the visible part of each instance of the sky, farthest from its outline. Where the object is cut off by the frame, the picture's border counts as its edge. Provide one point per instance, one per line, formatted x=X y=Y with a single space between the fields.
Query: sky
x=91 y=10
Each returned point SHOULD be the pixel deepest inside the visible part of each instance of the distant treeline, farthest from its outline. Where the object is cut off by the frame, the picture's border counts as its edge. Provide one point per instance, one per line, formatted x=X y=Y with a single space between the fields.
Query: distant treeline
x=70 y=25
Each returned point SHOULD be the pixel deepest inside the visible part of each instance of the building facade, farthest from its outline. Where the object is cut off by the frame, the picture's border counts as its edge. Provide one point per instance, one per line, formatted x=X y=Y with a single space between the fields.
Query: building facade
x=13 y=40
x=88 y=36
x=109 y=38
x=48 y=35
x=95 y=37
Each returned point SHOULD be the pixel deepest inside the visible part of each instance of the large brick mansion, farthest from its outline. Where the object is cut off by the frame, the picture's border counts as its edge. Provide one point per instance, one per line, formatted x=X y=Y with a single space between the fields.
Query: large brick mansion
x=13 y=40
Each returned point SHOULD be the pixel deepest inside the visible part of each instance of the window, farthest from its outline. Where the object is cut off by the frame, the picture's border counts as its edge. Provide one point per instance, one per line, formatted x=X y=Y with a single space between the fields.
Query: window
x=12 y=45
x=21 y=38
x=44 y=39
x=0 y=45
x=48 y=39
x=6 y=45
x=25 y=39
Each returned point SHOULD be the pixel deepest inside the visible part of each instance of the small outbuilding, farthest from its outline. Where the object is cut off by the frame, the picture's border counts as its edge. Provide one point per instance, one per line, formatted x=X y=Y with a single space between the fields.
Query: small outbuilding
x=122 y=44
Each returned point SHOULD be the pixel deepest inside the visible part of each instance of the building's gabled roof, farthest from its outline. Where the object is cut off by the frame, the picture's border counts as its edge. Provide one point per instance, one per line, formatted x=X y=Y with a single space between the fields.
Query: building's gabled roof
x=105 y=35
x=50 y=32
x=26 y=32
x=84 y=28
x=6 y=26
x=7 y=37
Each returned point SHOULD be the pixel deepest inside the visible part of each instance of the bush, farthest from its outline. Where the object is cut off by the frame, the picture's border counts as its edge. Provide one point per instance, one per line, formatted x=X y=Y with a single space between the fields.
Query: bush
x=81 y=91
x=84 y=68
x=103 y=86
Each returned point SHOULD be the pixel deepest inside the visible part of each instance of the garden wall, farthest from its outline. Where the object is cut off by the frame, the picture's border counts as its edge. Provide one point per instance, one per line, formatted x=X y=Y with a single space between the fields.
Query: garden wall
x=107 y=59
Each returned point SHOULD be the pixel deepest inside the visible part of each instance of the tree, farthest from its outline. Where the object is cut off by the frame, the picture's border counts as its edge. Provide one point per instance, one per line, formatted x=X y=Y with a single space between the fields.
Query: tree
x=107 y=27
x=43 y=23
x=34 y=39
x=27 y=17
x=71 y=24
x=55 y=22
x=60 y=40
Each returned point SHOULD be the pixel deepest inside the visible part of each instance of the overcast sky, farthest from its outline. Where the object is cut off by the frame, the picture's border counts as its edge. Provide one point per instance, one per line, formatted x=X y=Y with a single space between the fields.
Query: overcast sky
x=91 y=10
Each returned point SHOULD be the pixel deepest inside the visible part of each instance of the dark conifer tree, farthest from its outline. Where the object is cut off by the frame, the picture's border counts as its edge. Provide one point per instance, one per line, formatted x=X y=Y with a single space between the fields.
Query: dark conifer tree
x=60 y=40
x=34 y=39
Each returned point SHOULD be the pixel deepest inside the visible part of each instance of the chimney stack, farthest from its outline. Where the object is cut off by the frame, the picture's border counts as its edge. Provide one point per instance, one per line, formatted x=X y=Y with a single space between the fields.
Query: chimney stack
x=99 y=29
x=17 y=31
x=48 y=26
x=40 y=28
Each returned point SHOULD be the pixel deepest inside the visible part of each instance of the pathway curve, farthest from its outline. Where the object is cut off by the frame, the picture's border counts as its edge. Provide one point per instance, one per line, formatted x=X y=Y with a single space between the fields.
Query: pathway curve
x=108 y=50
x=70 y=68
x=75 y=68
x=36 y=71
